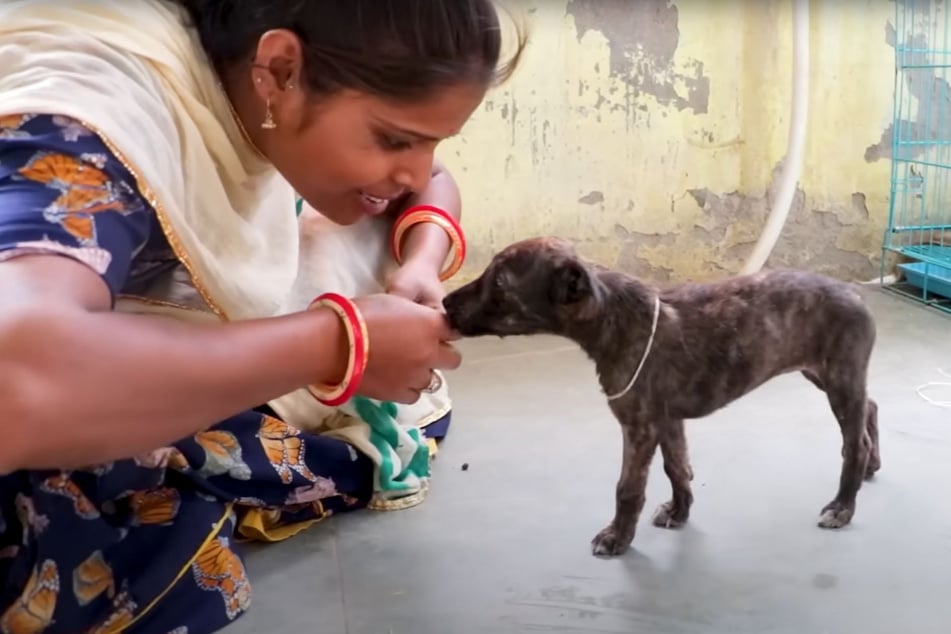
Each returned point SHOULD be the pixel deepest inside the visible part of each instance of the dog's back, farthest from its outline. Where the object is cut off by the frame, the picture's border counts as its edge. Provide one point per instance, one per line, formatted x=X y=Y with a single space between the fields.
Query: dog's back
x=721 y=340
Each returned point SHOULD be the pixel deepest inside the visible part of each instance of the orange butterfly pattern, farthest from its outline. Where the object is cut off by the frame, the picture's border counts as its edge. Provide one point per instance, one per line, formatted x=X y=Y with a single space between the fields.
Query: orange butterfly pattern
x=218 y=569
x=92 y=578
x=222 y=455
x=284 y=448
x=33 y=611
x=157 y=507
x=84 y=190
x=63 y=486
x=123 y=614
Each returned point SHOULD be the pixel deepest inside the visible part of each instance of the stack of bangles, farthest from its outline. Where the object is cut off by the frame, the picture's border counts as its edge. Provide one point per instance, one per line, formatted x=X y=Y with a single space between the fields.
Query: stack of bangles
x=349 y=314
x=427 y=213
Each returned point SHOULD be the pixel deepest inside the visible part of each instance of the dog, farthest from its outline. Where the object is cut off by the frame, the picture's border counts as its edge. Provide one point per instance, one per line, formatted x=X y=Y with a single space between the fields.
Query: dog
x=666 y=355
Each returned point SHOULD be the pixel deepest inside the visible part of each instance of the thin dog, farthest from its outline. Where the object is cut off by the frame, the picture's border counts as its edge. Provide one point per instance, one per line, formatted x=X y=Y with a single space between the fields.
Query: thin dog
x=666 y=355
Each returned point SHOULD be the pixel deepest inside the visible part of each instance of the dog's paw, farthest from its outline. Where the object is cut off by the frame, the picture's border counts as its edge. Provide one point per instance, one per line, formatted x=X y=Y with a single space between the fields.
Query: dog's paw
x=668 y=515
x=608 y=543
x=835 y=515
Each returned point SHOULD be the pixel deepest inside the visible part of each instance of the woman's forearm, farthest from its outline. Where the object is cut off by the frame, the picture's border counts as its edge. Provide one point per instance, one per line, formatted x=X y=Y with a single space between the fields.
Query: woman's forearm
x=427 y=242
x=80 y=387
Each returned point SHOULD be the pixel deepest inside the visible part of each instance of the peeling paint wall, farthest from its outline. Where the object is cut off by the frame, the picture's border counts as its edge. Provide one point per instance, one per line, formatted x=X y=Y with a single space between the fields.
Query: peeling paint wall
x=651 y=132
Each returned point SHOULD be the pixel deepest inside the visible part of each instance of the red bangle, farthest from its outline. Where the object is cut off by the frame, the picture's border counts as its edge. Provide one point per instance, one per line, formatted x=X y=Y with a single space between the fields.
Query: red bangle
x=358 y=353
x=428 y=213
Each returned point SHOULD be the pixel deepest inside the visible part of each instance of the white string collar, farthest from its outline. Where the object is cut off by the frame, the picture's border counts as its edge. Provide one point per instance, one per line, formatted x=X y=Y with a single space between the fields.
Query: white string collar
x=647 y=351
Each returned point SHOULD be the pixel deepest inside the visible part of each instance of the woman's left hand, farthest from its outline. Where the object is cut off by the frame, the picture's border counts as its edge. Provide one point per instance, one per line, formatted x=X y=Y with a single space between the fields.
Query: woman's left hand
x=416 y=280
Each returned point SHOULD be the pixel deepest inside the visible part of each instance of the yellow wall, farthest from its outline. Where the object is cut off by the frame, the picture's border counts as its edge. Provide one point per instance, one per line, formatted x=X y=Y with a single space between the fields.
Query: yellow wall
x=650 y=131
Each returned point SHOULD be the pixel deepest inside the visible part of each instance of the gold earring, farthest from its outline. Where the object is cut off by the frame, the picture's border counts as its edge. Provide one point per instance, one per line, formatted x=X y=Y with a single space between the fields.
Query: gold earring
x=268 y=118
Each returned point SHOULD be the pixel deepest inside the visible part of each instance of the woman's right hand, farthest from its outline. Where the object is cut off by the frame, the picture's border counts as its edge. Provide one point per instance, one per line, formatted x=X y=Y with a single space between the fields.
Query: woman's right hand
x=407 y=342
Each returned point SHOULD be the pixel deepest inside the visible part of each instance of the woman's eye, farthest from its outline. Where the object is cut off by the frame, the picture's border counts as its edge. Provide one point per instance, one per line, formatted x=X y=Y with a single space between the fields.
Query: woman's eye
x=393 y=143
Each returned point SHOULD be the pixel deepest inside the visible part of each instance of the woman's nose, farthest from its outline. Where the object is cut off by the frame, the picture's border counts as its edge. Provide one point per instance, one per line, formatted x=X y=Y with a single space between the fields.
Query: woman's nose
x=414 y=172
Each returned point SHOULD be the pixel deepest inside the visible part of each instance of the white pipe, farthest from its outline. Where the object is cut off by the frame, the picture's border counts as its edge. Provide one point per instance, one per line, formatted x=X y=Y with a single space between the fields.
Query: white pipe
x=792 y=167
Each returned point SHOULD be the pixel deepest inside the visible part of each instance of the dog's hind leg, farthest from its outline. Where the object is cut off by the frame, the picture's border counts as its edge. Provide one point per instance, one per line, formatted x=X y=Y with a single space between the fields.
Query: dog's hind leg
x=640 y=443
x=845 y=389
x=673 y=447
x=871 y=426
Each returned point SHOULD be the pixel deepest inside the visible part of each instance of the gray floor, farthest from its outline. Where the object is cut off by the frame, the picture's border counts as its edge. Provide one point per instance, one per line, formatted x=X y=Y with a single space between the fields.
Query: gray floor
x=503 y=546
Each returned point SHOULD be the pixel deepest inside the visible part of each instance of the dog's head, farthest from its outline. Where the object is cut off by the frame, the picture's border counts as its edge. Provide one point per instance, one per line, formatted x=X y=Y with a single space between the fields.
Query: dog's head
x=534 y=286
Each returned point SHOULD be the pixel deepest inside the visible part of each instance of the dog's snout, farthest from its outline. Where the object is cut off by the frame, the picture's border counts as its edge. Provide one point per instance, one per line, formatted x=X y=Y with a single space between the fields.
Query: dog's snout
x=451 y=305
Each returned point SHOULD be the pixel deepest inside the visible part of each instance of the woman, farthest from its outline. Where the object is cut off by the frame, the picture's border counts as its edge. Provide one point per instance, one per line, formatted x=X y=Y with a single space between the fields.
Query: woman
x=157 y=351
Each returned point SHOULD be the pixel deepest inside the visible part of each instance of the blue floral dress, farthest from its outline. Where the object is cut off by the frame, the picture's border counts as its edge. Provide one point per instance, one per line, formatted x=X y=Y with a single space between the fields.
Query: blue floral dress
x=113 y=547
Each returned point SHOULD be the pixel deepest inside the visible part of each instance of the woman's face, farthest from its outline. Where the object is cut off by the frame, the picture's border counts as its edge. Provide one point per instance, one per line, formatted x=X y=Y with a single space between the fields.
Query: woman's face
x=350 y=154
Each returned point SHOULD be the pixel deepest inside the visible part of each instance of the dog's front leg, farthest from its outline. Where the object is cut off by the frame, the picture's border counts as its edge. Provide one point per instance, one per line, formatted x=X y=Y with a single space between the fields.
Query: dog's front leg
x=673 y=446
x=640 y=443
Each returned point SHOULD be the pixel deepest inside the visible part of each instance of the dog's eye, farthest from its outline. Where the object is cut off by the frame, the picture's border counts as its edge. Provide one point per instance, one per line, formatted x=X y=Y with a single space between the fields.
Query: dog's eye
x=498 y=282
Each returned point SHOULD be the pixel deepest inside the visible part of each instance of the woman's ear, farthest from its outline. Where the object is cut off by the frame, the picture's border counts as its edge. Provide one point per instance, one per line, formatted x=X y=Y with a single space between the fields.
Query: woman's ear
x=278 y=63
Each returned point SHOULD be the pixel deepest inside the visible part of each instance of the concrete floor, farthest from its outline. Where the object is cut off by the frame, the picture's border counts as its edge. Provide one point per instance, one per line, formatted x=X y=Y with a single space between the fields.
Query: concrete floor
x=503 y=547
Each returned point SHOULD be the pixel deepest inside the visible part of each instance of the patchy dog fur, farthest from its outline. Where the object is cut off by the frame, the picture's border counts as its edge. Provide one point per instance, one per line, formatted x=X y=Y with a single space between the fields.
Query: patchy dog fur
x=714 y=343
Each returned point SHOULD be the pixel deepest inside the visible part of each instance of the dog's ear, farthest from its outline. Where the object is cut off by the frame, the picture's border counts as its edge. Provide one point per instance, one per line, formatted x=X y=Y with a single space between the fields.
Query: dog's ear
x=570 y=283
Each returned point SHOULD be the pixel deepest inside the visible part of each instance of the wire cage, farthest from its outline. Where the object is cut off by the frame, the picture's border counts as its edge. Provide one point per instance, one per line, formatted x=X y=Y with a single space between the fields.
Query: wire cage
x=919 y=217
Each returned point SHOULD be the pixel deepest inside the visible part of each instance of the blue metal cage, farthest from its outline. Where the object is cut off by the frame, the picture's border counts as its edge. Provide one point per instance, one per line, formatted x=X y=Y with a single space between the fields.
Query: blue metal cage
x=919 y=217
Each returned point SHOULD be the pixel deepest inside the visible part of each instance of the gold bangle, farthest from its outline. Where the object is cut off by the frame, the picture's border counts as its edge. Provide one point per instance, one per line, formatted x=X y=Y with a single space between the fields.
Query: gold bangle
x=421 y=214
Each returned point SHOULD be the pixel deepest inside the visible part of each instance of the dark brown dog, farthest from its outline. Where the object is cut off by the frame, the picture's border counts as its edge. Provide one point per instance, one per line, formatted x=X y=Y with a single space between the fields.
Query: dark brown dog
x=698 y=346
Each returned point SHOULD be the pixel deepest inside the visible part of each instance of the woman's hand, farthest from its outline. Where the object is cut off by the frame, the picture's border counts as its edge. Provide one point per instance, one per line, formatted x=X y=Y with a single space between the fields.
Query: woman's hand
x=426 y=245
x=407 y=342
x=418 y=281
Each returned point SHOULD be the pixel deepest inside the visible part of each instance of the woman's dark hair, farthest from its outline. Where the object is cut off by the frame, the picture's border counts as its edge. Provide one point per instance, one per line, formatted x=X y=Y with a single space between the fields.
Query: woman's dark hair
x=398 y=49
